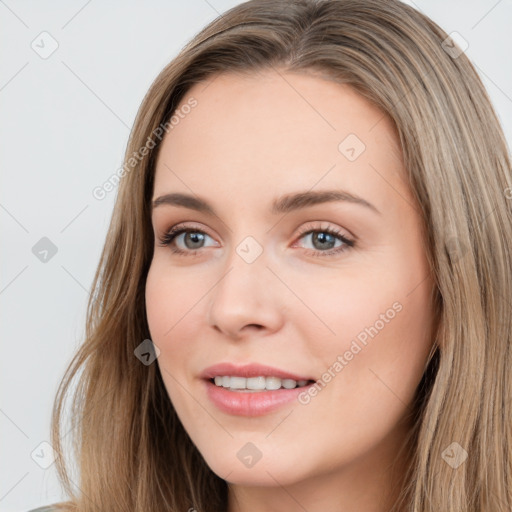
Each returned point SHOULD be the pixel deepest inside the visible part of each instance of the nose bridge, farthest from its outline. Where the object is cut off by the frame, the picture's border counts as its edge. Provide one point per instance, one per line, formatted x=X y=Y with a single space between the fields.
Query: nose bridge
x=246 y=263
x=243 y=280
x=244 y=295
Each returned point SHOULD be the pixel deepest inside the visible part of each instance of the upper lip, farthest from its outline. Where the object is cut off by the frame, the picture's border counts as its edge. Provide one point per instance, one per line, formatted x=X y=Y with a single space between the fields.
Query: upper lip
x=249 y=370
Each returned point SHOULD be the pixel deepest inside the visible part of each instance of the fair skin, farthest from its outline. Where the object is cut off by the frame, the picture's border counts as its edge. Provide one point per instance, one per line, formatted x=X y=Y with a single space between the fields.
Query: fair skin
x=250 y=140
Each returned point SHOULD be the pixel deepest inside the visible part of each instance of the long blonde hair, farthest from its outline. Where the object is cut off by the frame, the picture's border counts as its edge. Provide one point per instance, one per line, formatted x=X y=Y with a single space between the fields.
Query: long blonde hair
x=131 y=451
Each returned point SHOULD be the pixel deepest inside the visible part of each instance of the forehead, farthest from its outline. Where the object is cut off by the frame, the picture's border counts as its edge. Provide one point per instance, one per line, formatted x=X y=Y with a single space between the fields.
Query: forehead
x=277 y=131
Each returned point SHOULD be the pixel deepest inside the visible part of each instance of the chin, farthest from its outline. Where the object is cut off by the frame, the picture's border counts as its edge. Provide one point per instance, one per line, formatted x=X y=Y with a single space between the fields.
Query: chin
x=263 y=473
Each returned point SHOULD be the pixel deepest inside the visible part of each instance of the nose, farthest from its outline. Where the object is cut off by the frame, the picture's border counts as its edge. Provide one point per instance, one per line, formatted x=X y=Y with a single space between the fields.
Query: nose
x=246 y=301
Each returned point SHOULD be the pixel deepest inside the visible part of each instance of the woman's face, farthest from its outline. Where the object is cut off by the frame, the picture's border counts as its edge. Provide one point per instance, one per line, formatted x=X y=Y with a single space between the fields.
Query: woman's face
x=277 y=272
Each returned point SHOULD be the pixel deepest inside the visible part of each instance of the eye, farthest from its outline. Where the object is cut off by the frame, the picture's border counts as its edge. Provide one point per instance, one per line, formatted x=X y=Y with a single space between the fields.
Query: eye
x=323 y=239
x=193 y=238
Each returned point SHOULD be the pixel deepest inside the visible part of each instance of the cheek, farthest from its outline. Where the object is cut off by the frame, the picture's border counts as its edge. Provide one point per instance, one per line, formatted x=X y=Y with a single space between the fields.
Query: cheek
x=379 y=321
x=175 y=315
x=159 y=304
x=388 y=337
x=334 y=311
x=170 y=299
x=168 y=314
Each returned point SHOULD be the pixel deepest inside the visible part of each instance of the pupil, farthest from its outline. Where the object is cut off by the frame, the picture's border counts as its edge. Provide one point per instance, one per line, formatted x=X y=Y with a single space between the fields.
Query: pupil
x=321 y=237
x=195 y=237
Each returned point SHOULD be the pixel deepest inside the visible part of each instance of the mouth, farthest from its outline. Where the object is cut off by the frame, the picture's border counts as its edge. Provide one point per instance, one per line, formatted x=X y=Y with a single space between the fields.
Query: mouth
x=252 y=389
x=257 y=384
x=241 y=401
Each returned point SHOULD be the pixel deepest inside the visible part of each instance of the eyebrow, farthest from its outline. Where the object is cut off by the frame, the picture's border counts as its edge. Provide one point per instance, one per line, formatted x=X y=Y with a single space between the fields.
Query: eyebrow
x=281 y=205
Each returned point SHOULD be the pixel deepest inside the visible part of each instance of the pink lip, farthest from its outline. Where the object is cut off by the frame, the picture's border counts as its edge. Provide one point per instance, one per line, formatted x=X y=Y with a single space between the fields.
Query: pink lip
x=249 y=370
x=242 y=403
x=251 y=404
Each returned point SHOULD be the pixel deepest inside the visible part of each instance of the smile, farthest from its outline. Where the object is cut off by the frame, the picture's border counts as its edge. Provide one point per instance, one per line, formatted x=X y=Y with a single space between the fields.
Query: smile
x=254 y=384
x=250 y=403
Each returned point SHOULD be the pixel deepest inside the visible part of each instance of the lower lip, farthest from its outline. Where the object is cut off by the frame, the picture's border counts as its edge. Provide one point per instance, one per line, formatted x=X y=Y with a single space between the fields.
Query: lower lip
x=257 y=403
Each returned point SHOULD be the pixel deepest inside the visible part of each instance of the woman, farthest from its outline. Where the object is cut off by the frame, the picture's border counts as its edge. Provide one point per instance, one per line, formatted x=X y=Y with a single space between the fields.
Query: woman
x=235 y=362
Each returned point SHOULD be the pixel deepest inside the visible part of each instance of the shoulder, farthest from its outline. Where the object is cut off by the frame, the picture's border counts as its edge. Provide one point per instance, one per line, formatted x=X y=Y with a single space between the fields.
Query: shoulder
x=58 y=506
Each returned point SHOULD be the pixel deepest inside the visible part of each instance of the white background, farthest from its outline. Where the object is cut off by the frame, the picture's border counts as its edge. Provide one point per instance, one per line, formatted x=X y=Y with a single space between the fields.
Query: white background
x=65 y=121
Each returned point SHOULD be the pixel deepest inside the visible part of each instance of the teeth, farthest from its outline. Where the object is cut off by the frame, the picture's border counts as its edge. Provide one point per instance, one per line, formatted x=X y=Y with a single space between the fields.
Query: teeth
x=272 y=383
x=238 y=383
x=289 y=383
x=257 y=383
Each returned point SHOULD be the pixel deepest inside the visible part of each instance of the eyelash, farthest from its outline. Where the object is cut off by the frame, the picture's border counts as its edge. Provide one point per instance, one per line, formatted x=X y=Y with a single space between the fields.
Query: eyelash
x=168 y=238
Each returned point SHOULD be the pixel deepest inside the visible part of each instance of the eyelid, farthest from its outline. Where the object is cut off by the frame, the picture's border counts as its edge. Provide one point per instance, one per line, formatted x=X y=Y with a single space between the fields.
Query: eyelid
x=180 y=228
x=347 y=242
x=302 y=230
x=327 y=226
x=192 y=226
